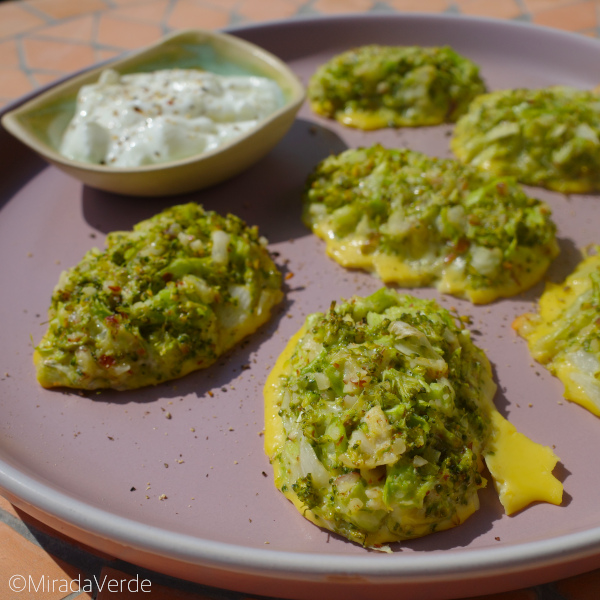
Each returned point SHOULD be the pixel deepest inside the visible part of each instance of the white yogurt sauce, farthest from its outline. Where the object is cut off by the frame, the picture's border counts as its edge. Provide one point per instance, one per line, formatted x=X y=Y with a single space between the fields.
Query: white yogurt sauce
x=146 y=118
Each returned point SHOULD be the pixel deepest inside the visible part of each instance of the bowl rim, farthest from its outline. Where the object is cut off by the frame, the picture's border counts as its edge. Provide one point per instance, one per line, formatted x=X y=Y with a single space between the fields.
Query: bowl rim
x=69 y=86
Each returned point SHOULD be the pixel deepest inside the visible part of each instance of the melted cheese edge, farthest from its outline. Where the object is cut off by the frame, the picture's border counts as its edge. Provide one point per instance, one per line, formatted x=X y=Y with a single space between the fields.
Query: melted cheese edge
x=521 y=469
x=391 y=269
x=556 y=299
x=367 y=121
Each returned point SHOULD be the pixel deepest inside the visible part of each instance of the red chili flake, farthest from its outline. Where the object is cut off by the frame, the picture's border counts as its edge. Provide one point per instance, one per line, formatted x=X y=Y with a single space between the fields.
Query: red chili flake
x=112 y=320
x=450 y=257
x=461 y=246
x=167 y=276
x=106 y=361
x=289 y=275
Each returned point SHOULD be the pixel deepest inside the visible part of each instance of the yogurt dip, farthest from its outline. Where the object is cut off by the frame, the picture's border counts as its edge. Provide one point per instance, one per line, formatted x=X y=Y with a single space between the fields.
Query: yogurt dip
x=146 y=118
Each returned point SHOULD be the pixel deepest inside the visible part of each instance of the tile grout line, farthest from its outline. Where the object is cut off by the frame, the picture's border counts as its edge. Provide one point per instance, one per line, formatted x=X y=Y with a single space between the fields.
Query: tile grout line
x=32 y=10
x=23 y=61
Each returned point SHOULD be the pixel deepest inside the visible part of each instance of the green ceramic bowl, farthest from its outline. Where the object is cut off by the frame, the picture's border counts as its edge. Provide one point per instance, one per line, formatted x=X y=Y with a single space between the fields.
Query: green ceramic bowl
x=41 y=122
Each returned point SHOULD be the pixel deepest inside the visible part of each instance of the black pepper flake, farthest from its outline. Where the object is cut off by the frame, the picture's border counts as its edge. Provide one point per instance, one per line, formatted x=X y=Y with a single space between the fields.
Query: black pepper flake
x=264 y=474
x=132 y=489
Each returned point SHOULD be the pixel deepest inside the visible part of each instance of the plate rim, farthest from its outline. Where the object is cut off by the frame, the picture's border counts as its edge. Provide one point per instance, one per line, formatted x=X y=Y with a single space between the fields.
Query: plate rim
x=200 y=552
x=396 y=568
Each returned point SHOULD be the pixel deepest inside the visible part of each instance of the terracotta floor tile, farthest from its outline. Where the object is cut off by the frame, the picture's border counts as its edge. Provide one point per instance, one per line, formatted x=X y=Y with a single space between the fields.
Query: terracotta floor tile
x=581 y=587
x=127 y=2
x=16 y=19
x=79 y=29
x=188 y=13
x=126 y=34
x=5 y=505
x=434 y=6
x=149 y=12
x=62 y=9
x=230 y=5
x=264 y=11
x=44 y=78
x=29 y=565
x=342 y=6
x=537 y=5
x=503 y=9
x=9 y=54
x=49 y=55
x=101 y=55
x=13 y=83
x=582 y=15
x=125 y=584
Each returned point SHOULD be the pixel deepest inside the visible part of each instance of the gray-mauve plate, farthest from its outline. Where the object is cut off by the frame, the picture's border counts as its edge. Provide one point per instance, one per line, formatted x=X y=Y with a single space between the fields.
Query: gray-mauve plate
x=95 y=465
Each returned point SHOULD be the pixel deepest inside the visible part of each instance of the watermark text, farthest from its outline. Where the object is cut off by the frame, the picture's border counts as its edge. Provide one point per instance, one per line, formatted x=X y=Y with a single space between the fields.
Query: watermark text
x=28 y=583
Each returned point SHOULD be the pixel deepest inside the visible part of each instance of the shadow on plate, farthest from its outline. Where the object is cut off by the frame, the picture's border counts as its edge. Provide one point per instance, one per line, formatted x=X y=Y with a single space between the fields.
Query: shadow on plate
x=268 y=194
